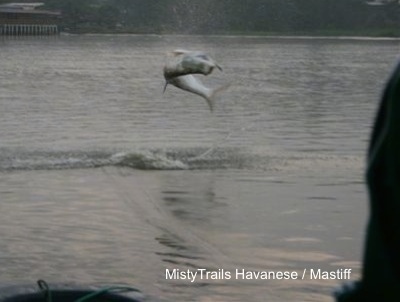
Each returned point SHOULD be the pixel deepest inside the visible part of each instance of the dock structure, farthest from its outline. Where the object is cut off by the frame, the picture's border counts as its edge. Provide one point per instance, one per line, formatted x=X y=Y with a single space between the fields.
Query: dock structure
x=22 y=19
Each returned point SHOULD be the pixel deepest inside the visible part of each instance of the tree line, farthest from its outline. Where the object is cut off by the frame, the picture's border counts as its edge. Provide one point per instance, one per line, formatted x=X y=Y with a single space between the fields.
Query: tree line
x=229 y=16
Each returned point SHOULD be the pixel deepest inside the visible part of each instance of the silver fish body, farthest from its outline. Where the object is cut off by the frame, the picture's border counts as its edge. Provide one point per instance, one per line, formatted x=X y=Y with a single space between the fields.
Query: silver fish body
x=191 y=84
x=179 y=70
x=183 y=62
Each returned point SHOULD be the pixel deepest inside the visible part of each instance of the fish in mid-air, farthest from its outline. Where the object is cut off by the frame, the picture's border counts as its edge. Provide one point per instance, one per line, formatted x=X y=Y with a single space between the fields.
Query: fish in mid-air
x=180 y=67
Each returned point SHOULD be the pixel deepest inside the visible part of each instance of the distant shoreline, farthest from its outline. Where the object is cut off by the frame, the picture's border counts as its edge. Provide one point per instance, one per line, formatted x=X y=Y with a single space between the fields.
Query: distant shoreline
x=304 y=37
x=379 y=33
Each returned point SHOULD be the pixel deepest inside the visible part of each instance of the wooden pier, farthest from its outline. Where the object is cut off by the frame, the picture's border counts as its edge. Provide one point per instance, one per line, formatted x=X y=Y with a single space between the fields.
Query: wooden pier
x=22 y=19
x=27 y=29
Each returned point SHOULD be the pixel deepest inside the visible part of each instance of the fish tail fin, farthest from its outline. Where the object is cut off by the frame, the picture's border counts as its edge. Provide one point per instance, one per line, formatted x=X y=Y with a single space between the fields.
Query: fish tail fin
x=211 y=98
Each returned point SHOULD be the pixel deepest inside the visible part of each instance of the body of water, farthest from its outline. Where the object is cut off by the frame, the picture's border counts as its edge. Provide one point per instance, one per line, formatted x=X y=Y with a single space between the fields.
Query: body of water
x=105 y=179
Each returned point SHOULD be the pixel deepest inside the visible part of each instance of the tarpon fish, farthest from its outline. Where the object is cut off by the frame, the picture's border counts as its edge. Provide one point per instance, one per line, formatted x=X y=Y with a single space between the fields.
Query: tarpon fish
x=179 y=70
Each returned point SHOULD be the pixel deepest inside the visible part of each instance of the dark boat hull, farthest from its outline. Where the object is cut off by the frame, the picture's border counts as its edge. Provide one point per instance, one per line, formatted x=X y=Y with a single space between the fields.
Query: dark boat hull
x=43 y=292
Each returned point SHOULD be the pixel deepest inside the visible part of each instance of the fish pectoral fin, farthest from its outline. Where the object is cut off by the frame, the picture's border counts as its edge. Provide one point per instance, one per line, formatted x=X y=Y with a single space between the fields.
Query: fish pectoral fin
x=165 y=87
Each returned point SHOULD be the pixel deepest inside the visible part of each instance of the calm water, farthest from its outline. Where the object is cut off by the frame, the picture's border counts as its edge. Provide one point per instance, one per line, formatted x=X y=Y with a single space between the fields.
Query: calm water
x=105 y=179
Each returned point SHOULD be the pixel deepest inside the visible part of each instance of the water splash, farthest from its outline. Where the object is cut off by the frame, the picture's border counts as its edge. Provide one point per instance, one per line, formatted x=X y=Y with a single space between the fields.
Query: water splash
x=195 y=158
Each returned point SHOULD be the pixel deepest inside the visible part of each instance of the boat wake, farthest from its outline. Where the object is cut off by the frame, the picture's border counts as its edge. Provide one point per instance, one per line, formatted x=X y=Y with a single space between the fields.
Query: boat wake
x=144 y=159
x=196 y=158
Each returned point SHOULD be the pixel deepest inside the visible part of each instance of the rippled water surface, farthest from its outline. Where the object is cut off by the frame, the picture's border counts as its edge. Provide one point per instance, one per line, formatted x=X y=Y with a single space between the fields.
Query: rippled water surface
x=105 y=179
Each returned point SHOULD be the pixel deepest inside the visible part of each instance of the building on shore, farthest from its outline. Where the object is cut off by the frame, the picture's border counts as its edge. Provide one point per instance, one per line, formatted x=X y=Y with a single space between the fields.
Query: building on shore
x=382 y=2
x=18 y=19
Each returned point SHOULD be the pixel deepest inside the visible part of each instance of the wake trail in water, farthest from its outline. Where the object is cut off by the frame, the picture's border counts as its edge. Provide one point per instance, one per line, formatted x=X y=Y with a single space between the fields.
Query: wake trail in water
x=194 y=158
x=181 y=242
